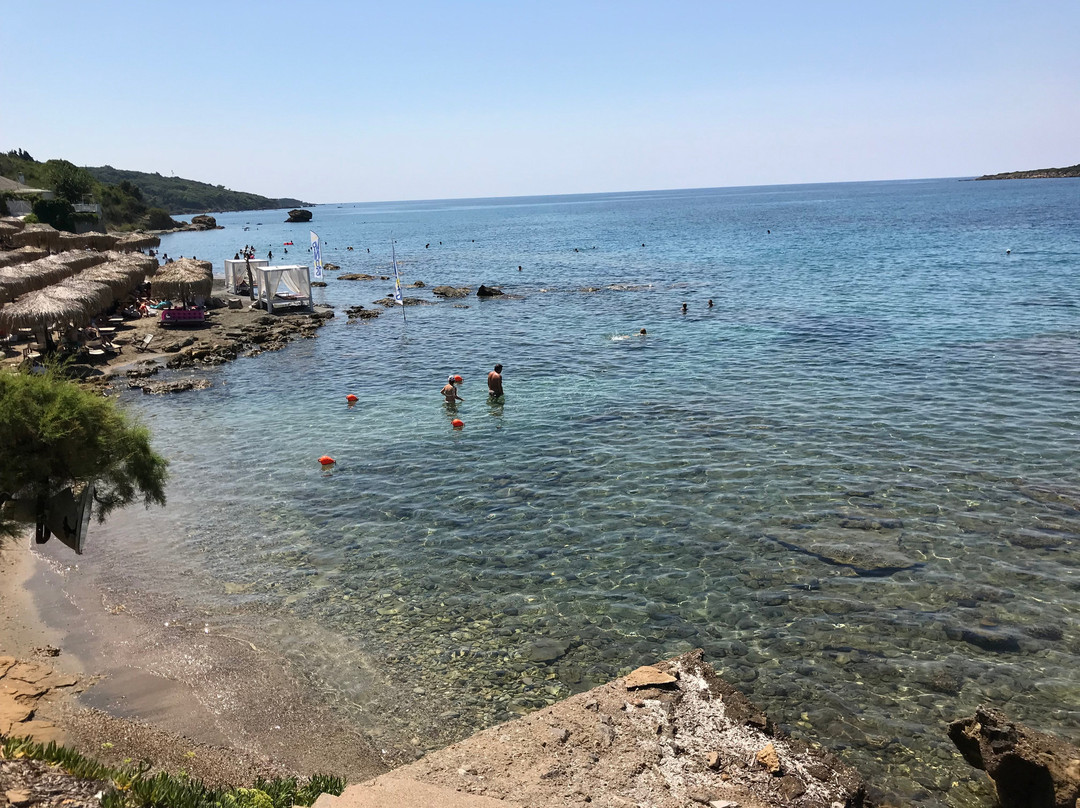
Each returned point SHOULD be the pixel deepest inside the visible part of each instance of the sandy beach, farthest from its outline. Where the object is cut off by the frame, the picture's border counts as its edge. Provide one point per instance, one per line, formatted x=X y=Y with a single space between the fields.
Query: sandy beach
x=214 y=706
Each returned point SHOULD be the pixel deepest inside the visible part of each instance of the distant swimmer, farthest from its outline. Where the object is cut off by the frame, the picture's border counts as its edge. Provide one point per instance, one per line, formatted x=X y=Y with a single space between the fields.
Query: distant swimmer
x=710 y=302
x=642 y=332
x=519 y=267
x=450 y=392
x=1008 y=252
x=427 y=245
x=684 y=308
x=495 y=388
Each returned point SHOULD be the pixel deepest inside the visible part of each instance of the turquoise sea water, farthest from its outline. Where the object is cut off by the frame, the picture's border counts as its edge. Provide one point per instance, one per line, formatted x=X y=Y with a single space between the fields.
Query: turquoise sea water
x=853 y=481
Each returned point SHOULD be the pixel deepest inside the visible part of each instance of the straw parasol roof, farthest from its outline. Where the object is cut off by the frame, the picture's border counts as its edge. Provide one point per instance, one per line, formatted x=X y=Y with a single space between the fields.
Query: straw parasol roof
x=37 y=235
x=122 y=273
x=184 y=279
x=70 y=301
x=23 y=255
x=19 y=279
x=138 y=241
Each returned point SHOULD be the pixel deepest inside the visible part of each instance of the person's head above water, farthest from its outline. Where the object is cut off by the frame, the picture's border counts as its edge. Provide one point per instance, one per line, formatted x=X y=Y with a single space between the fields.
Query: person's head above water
x=449 y=379
x=498 y=368
x=457 y=380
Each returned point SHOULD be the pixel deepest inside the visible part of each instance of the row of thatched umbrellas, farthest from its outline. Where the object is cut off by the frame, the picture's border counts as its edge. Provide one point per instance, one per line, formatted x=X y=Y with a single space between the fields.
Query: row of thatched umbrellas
x=74 y=287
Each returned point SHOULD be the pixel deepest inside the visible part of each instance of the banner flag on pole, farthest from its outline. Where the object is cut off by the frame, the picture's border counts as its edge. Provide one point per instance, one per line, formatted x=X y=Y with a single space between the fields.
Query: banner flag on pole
x=316 y=254
x=397 y=279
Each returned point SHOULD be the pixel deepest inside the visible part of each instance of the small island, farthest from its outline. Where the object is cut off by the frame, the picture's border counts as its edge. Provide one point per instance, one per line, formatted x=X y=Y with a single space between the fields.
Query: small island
x=1036 y=174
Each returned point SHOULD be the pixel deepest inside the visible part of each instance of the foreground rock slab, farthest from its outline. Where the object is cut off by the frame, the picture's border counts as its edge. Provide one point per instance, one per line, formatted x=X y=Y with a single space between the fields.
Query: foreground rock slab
x=690 y=739
x=1030 y=769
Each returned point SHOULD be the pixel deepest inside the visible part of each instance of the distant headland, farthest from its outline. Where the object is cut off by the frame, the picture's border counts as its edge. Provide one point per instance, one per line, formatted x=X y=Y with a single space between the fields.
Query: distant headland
x=1036 y=174
x=121 y=199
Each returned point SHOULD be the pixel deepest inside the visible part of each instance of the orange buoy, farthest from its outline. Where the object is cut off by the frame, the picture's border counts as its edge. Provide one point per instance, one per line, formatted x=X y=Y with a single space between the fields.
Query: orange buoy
x=351 y=398
x=458 y=379
x=457 y=423
x=326 y=460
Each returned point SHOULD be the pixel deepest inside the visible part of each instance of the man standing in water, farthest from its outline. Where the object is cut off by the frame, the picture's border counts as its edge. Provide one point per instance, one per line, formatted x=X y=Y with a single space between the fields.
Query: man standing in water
x=450 y=393
x=495 y=383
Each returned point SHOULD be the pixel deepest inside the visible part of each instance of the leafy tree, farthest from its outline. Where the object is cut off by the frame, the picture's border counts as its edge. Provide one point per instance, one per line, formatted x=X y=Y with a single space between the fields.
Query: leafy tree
x=58 y=212
x=54 y=434
x=159 y=219
x=68 y=180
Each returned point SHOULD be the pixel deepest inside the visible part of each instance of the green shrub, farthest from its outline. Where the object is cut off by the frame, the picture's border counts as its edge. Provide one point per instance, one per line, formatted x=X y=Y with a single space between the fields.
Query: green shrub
x=31 y=219
x=60 y=213
x=134 y=787
x=159 y=219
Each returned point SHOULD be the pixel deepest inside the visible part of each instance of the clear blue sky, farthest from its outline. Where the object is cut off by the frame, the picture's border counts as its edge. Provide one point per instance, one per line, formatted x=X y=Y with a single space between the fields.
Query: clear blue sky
x=357 y=101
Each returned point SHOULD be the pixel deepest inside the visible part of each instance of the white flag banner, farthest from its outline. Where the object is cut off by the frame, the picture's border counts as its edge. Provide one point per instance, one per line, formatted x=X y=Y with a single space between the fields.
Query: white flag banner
x=316 y=254
x=397 y=278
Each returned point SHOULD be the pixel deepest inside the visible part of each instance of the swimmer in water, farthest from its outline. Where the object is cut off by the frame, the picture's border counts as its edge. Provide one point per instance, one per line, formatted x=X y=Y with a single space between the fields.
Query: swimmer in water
x=450 y=392
x=494 y=380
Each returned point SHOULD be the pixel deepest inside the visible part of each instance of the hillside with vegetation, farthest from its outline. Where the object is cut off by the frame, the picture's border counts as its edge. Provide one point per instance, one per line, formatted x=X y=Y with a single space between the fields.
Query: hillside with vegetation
x=129 y=199
x=1036 y=174
x=178 y=195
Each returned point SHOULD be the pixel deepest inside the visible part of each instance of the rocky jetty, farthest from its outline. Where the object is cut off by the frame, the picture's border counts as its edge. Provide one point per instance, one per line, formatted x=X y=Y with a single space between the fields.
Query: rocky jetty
x=299 y=215
x=669 y=735
x=1030 y=769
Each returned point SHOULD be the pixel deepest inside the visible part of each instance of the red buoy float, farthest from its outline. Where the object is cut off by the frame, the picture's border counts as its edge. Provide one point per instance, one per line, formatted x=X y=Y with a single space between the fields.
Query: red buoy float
x=351 y=398
x=326 y=460
x=458 y=379
x=457 y=423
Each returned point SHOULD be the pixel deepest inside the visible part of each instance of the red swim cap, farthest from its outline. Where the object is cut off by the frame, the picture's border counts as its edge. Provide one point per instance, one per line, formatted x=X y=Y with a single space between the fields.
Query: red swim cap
x=458 y=379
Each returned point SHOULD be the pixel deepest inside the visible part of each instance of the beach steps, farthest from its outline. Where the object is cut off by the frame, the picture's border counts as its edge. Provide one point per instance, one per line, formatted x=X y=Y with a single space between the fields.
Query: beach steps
x=395 y=791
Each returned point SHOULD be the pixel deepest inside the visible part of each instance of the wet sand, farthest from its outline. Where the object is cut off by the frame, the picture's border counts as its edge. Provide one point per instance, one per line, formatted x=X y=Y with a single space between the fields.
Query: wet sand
x=215 y=706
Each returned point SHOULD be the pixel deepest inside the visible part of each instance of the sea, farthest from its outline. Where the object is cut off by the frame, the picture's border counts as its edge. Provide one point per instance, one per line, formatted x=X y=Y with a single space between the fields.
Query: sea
x=842 y=460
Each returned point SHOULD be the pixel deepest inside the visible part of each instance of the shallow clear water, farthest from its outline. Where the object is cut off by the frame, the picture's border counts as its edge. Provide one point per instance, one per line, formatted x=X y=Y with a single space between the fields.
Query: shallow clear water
x=852 y=481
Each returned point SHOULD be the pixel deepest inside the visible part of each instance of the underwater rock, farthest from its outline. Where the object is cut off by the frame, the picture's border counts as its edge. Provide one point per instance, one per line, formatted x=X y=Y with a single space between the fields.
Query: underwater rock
x=987 y=638
x=450 y=291
x=488 y=291
x=546 y=650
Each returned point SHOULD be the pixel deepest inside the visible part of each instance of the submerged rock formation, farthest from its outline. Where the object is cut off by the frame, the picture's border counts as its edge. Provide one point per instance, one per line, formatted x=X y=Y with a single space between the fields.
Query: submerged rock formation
x=1030 y=769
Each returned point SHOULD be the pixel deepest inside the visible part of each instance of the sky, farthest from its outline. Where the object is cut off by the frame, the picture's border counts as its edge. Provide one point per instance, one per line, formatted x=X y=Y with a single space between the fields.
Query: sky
x=363 y=101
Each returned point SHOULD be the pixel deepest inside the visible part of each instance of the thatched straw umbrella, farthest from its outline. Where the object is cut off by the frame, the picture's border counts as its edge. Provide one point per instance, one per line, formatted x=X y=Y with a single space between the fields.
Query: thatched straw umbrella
x=23 y=255
x=37 y=235
x=96 y=295
x=22 y=278
x=122 y=273
x=186 y=279
x=138 y=241
x=43 y=309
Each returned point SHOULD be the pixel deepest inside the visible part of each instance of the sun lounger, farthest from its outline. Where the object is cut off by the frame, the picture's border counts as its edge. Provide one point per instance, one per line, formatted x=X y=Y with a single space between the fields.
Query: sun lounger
x=183 y=317
x=145 y=344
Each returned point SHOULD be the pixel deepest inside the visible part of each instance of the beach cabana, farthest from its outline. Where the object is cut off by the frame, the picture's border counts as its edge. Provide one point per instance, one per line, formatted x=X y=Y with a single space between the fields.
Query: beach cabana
x=236 y=271
x=284 y=286
x=189 y=280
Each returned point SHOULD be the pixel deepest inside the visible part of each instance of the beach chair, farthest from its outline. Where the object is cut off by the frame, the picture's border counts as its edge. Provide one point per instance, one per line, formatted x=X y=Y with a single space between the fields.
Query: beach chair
x=145 y=344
